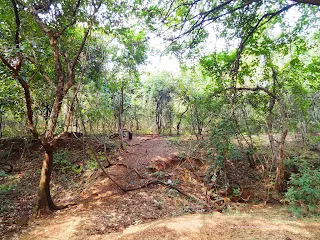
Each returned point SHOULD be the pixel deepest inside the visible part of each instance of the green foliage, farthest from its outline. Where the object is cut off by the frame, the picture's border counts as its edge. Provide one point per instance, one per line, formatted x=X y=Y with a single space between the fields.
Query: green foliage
x=2 y=173
x=91 y=163
x=174 y=140
x=221 y=139
x=236 y=192
x=5 y=188
x=224 y=150
x=303 y=193
x=159 y=174
x=62 y=162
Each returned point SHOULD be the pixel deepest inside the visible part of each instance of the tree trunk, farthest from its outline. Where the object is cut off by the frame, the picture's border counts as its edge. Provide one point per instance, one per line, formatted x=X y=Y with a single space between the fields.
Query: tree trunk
x=180 y=120
x=120 y=124
x=304 y=132
x=136 y=118
x=158 y=116
x=46 y=115
x=270 y=129
x=45 y=202
x=0 y=124
x=279 y=181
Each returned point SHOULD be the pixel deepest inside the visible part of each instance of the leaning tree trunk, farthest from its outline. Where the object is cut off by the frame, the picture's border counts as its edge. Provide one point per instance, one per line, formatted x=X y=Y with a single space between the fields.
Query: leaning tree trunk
x=45 y=202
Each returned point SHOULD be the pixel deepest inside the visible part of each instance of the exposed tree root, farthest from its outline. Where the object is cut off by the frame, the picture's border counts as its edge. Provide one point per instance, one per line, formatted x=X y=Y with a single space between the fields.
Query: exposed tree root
x=136 y=171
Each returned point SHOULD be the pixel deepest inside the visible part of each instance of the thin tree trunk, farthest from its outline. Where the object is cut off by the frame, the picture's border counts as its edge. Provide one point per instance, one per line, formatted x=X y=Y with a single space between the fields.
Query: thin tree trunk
x=180 y=120
x=279 y=181
x=270 y=129
x=46 y=117
x=136 y=118
x=120 y=117
x=1 y=124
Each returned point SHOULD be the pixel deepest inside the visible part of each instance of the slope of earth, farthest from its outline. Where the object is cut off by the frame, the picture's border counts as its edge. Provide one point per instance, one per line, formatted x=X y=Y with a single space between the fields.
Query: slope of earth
x=102 y=207
x=104 y=211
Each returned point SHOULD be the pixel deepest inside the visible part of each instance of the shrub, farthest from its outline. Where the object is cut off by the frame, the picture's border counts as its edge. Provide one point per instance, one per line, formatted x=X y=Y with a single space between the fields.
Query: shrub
x=304 y=191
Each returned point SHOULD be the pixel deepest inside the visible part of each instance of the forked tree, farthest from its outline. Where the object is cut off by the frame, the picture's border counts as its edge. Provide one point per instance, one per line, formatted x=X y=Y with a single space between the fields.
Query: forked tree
x=56 y=23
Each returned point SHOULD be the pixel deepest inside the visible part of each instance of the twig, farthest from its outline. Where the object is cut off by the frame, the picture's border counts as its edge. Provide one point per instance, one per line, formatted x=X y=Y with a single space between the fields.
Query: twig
x=9 y=152
x=105 y=172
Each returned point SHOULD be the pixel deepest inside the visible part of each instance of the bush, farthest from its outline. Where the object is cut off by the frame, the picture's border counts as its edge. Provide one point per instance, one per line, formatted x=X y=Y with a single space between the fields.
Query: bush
x=63 y=164
x=61 y=161
x=304 y=192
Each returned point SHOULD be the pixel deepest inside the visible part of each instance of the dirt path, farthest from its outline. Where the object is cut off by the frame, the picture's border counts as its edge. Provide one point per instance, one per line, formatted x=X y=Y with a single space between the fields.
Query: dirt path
x=220 y=227
x=102 y=207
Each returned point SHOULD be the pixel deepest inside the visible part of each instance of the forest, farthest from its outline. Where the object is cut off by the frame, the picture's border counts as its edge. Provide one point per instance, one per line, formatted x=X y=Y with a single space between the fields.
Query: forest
x=201 y=117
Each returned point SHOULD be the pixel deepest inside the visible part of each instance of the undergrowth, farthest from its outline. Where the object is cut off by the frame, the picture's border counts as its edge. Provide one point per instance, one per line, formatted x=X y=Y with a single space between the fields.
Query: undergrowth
x=303 y=193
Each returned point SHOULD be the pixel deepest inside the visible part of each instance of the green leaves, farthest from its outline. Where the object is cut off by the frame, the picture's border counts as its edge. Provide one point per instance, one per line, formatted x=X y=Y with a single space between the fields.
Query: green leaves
x=304 y=190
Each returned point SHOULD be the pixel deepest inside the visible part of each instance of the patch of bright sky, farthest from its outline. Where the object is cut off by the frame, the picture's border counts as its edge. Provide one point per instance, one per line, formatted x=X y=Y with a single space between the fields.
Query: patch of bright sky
x=161 y=62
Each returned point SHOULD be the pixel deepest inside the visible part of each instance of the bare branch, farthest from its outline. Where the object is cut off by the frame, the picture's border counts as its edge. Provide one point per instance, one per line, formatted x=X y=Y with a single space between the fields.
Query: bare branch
x=26 y=89
x=16 y=14
x=257 y=88
x=71 y=108
x=73 y=21
x=34 y=11
x=49 y=80
x=44 y=75
x=6 y=63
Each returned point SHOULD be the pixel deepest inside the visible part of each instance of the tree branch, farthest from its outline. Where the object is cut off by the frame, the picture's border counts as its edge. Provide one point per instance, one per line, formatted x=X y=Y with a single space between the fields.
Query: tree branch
x=6 y=63
x=44 y=75
x=18 y=63
x=58 y=34
x=312 y=2
x=34 y=12
x=244 y=40
x=257 y=88
x=16 y=14
x=26 y=89
x=71 y=108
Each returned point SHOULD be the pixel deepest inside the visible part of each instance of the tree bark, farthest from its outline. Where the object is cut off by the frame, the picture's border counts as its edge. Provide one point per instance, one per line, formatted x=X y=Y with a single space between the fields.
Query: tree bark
x=279 y=181
x=270 y=129
x=45 y=202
